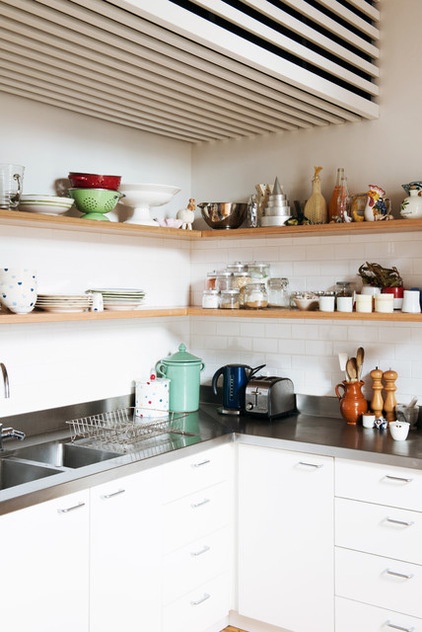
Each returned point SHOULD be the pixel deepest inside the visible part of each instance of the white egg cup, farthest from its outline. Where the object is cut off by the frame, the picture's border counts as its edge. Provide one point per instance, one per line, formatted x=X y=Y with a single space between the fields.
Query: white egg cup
x=399 y=430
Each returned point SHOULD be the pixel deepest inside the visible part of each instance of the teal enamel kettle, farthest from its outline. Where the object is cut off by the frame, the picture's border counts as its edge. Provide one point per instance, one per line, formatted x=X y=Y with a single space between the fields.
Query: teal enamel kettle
x=183 y=370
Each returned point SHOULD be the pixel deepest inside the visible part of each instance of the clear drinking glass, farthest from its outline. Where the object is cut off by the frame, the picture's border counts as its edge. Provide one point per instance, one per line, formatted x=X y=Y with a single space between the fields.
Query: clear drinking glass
x=11 y=180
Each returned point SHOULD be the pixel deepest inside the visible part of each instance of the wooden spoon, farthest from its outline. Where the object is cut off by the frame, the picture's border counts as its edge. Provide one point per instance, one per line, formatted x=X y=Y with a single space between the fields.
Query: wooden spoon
x=360 y=356
x=352 y=369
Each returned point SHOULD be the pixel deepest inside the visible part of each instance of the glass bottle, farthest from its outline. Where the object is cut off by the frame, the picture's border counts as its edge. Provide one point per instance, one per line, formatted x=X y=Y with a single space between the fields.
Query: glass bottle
x=333 y=206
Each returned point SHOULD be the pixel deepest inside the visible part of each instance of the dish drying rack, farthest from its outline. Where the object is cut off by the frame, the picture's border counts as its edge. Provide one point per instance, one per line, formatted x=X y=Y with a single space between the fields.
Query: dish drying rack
x=122 y=429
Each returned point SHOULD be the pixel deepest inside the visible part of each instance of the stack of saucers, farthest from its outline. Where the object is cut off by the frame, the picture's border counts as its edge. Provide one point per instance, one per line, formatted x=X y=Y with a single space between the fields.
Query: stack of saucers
x=63 y=303
x=45 y=204
x=120 y=299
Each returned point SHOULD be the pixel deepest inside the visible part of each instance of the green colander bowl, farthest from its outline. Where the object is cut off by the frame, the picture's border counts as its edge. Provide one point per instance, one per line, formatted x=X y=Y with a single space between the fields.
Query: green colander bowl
x=95 y=202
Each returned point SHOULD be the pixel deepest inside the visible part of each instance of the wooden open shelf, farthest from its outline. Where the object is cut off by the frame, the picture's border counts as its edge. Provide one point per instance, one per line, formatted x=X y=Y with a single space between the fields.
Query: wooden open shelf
x=61 y=222
x=48 y=317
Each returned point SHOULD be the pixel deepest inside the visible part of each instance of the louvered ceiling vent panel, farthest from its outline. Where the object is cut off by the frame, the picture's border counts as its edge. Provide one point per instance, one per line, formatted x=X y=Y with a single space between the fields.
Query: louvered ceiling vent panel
x=198 y=71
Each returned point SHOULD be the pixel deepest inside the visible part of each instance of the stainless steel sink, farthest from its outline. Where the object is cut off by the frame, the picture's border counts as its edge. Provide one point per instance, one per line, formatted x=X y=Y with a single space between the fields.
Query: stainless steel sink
x=62 y=454
x=17 y=472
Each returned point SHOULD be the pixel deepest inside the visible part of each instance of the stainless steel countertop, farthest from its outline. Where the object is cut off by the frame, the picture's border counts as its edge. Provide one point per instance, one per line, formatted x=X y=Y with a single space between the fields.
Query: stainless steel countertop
x=316 y=429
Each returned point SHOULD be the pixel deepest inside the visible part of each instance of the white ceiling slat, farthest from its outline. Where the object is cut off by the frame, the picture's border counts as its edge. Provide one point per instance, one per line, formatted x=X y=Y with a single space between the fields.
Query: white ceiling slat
x=339 y=9
x=238 y=18
x=368 y=9
x=110 y=61
x=317 y=17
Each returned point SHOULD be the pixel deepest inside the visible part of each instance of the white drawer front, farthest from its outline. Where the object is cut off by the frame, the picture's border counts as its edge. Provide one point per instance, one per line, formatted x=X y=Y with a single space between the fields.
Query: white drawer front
x=195 y=472
x=379 y=581
x=199 y=609
x=359 y=617
x=195 y=564
x=381 y=484
x=387 y=531
x=195 y=516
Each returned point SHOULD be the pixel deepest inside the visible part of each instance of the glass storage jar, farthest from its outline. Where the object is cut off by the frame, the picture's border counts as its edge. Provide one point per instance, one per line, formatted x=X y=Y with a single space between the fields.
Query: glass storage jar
x=240 y=279
x=343 y=288
x=237 y=266
x=210 y=299
x=211 y=282
x=278 y=292
x=259 y=271
x=254 y=296
x=224 y=280
x=229 y=299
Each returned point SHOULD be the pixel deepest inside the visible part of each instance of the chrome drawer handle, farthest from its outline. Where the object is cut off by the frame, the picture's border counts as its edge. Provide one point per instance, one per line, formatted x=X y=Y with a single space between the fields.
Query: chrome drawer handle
x=403 y=523
x=201 y=463
x=199 y=601
x=398 y=627
x=401 y=479
x=201 y=552
x=315 y=465
x=401 y=575
x=201 y=503
x=67 y=509
x=112 y=494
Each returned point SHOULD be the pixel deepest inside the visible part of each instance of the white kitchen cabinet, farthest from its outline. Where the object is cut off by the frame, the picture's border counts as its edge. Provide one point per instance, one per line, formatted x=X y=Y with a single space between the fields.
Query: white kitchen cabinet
x=285 y=538
x=198 y=541
x=125 y=545
x=44 y=578
x=378 y=564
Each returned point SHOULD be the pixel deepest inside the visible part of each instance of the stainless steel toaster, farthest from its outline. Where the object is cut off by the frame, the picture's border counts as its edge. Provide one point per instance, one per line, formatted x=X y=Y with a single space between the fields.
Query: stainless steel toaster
x=270 y=396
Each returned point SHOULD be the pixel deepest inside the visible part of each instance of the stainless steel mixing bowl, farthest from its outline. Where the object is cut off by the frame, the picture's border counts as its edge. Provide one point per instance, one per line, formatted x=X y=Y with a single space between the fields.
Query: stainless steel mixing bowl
x=223 y=214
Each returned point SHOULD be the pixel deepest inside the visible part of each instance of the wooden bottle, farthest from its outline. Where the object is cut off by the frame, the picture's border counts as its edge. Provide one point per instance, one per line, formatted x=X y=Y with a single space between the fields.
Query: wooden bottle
x=390 y=403
x=377 y=402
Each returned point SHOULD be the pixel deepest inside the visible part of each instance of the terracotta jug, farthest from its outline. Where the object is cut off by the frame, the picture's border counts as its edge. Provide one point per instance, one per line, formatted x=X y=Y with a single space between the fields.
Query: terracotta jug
x=352 y=402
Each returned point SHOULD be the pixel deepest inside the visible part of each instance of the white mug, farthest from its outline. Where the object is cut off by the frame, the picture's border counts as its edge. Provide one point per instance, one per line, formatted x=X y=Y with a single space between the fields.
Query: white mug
x=411 y=302
x=326 y=303
x=384 y=303
x=18 y=289
x=364 y=303
x=344 y=303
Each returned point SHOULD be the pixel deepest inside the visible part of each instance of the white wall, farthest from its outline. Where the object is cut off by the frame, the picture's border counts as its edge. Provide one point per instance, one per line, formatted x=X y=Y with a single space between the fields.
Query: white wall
x=385 y=152
x=52 y=365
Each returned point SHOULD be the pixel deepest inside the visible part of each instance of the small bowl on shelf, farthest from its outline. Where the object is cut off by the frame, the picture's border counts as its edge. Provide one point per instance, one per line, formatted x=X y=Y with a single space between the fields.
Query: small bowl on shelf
x=223 y=215
x=93 y=181
x=305 y=301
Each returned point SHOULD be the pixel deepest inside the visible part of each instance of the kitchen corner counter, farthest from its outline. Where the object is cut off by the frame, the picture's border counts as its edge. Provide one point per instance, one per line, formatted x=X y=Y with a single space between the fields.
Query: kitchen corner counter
x=316 y=429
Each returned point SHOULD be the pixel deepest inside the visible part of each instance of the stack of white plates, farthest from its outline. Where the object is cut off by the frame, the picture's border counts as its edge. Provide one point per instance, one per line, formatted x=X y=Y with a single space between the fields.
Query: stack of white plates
x=63 y=303
x=120 y=299
x=46 y=204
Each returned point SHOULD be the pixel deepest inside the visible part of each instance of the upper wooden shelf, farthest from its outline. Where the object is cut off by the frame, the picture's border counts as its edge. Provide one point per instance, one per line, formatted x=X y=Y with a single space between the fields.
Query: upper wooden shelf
x=60 y=222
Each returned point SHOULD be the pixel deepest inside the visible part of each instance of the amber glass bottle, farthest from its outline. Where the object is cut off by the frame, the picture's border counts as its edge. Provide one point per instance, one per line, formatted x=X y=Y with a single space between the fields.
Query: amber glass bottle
x=333 y=207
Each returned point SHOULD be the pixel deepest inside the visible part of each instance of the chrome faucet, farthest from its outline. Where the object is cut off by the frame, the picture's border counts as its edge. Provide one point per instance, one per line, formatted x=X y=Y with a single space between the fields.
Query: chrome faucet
x=8 y=433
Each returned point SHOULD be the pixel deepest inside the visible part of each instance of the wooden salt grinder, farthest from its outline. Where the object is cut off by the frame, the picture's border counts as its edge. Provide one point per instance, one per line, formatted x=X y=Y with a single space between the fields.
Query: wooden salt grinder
x=390 y=402
x=377 y=402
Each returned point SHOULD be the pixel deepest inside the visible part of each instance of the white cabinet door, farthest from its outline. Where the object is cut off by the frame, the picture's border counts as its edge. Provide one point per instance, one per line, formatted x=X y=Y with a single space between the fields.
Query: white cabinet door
x=44 y=577
x=125 y=554
x=285 y=550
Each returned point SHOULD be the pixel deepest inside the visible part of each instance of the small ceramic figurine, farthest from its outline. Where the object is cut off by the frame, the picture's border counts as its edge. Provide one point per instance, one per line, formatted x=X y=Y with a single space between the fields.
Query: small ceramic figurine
x=376 y=207
x=411 y=207
x=187 y=215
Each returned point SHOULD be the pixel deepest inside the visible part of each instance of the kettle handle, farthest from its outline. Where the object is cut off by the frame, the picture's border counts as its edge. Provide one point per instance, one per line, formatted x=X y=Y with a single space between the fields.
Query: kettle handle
x=160 y=369
x=337 y=390
x=215 y=379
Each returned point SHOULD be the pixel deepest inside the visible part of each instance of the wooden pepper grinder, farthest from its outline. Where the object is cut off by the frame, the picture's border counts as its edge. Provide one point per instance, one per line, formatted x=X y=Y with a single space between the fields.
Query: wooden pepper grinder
x=377 y=402
x=390 y=402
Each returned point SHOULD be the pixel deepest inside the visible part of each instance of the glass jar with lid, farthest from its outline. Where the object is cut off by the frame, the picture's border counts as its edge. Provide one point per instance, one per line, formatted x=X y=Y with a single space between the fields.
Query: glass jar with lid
x=344 y=288
x=229 y=299
x=259 y=271
x=237 y=266
x=210 y=299
x=224 y=280
x=211 y=280
x=240 y=279
x=254 y=296
x=278 y=292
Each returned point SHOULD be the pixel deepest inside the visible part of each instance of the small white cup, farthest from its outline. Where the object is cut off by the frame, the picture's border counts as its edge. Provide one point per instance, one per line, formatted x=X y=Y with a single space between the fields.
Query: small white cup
x=384 y=303
x=326 y=303
x=411 y=302
x=364 y=303
x=18 y=289
x=344 y=303
x=368 y=420
x=399 y=430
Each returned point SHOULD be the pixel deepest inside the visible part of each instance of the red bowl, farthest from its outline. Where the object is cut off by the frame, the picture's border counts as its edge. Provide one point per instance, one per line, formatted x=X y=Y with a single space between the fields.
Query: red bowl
x=94 y=181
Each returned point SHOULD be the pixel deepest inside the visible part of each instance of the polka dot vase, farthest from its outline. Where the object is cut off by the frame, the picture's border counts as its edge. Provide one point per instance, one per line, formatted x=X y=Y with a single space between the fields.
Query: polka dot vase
x=18 y=289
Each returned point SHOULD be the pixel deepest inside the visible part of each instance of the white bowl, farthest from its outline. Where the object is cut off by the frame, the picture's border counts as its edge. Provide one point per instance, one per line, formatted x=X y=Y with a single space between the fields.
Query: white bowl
x=399 y=430
x=306 y=303
x=146 y=195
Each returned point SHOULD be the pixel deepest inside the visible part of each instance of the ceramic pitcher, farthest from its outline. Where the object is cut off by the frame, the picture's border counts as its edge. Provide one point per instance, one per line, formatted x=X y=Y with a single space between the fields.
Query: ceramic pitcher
x=352 y=402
